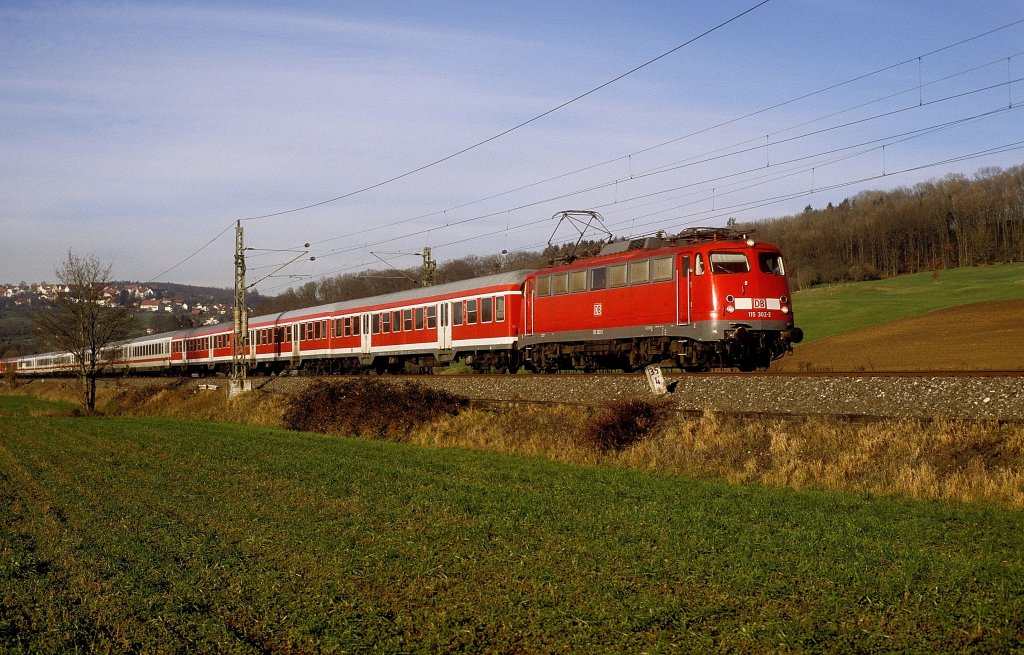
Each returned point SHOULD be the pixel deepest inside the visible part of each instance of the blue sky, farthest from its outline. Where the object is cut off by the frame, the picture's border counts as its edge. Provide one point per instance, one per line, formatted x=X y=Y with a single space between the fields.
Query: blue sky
x=138 y=132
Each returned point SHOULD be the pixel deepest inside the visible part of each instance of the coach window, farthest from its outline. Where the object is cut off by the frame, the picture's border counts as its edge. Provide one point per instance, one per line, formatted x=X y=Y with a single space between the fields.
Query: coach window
x=471 y=312
x=355 y=326
x=396 y=321
x=617 y=275
x=407 y=320
x=431 y=317
x=578 y=281
x=599 y=278
x=288 y=333
x=544 y=285
x=640 y=272
x=486 y=309
x=418 y=313
x=499 y=309
x=661 y=269
x=698 y=264
x=457 y=312
x=376 y=323
x=385 y=322
x=729 y=262
x=339 y=327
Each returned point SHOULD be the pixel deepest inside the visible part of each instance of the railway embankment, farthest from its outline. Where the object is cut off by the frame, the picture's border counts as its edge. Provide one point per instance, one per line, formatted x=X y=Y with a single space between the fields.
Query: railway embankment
x=967 y=397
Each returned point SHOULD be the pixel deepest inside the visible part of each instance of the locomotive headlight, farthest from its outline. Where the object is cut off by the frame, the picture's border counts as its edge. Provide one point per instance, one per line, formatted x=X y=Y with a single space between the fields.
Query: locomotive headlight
x=785 y=310
x=729 y=309
x=730 y=298
x=784 y=300
x=750 y=243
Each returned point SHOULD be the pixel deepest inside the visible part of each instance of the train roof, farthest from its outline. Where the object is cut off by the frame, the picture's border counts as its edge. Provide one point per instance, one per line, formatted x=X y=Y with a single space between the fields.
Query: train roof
x=509 y=278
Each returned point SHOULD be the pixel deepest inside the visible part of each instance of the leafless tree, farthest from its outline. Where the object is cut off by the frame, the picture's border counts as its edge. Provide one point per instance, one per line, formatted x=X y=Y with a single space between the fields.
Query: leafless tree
x=82 y=323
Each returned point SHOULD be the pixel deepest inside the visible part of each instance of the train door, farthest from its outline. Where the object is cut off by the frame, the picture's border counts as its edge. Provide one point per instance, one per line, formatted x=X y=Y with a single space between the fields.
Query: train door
x=702 y=302
x=683 y=313
x=444 y=326
x=365 y=341
x=528 y=302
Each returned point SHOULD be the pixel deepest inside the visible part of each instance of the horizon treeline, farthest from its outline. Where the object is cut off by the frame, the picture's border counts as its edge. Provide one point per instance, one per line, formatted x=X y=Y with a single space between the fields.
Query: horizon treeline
x=942 y=223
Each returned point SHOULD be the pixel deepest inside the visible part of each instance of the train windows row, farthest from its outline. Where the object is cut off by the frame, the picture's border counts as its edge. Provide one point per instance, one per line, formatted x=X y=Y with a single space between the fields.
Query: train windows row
x=640 y=271
x=469 y=312
x=482 y=310
x=150 y=349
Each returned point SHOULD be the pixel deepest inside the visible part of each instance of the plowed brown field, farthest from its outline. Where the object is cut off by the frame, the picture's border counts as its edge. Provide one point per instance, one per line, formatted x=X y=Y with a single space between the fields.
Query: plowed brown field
x=980 y=337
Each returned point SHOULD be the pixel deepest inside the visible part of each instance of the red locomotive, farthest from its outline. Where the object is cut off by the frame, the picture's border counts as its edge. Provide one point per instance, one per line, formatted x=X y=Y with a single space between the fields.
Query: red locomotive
x=706 y=298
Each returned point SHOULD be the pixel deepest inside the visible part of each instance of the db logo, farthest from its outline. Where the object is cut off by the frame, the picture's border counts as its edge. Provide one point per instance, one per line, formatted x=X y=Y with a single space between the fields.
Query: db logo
x=597 y=309
x=760 y=303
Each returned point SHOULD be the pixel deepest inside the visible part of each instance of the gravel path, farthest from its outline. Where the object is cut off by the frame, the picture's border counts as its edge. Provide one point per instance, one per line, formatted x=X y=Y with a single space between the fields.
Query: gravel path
x=900 y=397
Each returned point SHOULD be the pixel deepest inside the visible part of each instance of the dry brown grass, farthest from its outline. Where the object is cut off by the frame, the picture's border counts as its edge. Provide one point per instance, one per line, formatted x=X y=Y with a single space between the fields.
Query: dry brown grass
x=939 y=459
x=185 y=401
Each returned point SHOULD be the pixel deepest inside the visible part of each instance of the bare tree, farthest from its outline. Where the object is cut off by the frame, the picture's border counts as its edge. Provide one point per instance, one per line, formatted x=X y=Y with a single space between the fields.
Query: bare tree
x=82 y=323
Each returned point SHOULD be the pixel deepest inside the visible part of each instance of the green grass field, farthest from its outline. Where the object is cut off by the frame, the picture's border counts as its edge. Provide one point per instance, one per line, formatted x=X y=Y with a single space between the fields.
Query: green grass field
x=29 y=406
x=160 y=535
x=825 y=311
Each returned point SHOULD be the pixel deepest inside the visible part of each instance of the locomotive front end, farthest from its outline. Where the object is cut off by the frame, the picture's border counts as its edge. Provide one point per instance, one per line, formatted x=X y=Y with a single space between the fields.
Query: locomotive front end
x=752 y=311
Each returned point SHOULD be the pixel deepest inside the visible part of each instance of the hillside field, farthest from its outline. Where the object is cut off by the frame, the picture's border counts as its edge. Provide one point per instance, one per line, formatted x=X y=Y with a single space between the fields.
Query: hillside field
x=826 y=311
x=963 y=320
x=162 y=535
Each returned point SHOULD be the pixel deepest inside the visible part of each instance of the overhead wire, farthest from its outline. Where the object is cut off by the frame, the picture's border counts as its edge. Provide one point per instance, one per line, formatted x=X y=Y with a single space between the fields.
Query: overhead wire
x=874 y=143
x=517 y=126
x=725 y=123
x=610 y=161
x=480 y=143
x=674 y=167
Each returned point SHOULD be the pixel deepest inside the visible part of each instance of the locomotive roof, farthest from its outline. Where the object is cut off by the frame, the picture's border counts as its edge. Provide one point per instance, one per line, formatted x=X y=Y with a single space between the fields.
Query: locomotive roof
x=498 y=279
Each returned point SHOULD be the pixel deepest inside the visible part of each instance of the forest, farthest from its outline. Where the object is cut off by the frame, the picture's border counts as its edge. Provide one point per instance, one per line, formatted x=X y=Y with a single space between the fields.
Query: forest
x=947 y=223
x=951 y=222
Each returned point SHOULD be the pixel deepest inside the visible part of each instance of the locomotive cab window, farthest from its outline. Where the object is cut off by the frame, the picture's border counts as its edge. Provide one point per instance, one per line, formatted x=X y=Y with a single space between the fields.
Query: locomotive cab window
x=729 y=262
x=698 y=264
x=771 y=263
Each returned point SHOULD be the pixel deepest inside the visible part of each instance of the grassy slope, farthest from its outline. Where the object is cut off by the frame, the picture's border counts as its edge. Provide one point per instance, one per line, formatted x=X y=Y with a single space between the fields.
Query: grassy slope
x=29 y=406
x=826 y=311
x=164 y=535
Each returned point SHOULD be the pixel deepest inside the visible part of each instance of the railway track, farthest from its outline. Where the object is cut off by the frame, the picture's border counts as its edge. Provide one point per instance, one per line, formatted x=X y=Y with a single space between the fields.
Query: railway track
x=975 y=395
x=925 y=395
